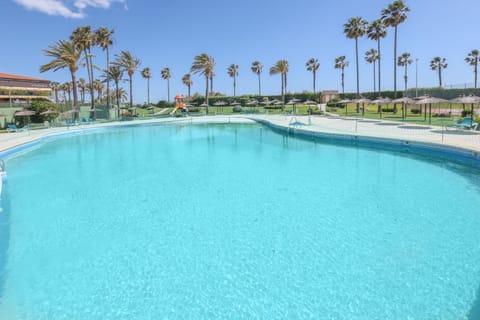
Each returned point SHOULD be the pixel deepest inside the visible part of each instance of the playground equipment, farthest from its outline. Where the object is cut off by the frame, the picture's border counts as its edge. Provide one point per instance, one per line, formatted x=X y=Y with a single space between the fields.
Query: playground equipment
x=179 y=104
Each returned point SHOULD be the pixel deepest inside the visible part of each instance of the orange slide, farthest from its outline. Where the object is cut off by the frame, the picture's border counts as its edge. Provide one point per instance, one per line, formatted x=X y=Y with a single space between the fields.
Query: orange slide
x=179 y=103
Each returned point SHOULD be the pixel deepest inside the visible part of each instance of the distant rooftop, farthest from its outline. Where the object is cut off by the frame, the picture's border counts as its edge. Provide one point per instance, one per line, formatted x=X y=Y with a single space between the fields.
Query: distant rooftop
x=18 y=77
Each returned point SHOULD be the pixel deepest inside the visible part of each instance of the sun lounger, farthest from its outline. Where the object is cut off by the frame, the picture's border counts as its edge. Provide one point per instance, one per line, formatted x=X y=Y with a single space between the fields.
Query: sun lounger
x=13 y=128
x=465 y=124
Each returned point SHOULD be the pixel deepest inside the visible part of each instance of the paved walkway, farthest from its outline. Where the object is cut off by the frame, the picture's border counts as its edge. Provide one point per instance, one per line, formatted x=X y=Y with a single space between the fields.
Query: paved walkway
x=467 y=140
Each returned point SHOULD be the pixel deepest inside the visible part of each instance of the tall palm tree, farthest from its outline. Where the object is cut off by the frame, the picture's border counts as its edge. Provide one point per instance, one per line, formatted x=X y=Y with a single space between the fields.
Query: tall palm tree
x=472 y=59
x=257 y=68
x=404 y=61
x=341 y=63
x=355 y=28
x=204 y=65
x=186 y=80
x=115 y=74
x=103 y=39
x=83 y=38
x=146 y=74
x=82 y=86
x=371 y=56
x=166 y=75
x=392 y=16
x=313 y=65
x=281 y=67
x=55 y=88
x=437 y=64
x=127 y=62
x=233 y=72
x=375 y=31
x=65 y=55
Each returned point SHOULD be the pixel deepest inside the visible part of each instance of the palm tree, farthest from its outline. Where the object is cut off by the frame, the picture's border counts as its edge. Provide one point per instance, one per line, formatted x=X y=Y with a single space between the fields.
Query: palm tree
x=55 y=87
x=67 y=88
x=186 y=80
x=371 y=56
x=313 y=65
x=82 y=86
x=257 y=68
x=103 y=39
x=375 y=31
x=115 y=73
x=127 y=62
x=166 y=76
x=82 y=37
x=204 y=65
x=98 y=87
x=281 y=67
x=355 y=28
x=472 y=59
x=233 y=72
x=392 y=16
x=437 y=64
x=211 y=82
x=65 y=55
x=342 y=63
x=404 y=61
x=146 y=74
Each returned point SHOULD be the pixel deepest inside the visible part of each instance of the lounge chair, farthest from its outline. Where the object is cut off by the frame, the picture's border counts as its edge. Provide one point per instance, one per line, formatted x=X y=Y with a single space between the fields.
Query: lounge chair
x=13 y=128
x=465 y=124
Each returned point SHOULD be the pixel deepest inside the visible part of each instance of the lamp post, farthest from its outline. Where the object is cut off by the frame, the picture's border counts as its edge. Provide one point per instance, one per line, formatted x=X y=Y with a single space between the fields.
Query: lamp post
x=416 y=77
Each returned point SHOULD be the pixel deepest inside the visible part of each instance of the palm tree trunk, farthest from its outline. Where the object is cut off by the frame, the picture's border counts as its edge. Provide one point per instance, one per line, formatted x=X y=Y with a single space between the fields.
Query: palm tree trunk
x=108 y=84
x=440 y=76
x=343 y=81
x=206 y=94
x=374 y=80
x=211 y=84
x=234 y=86
x=358 y=73
x=476 y=74
x=314 y=74
x=379 y=59
x=117 y=95
x=75 y=96
x=148 y=91
x=395 y=70
x=131 y=91
x=189 y=91
x=168 y=90
x=259 y=86
x=93 y=114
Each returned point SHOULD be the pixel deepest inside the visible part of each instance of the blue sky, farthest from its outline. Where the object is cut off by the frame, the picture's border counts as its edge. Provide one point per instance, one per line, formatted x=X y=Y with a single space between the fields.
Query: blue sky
x=170 y=33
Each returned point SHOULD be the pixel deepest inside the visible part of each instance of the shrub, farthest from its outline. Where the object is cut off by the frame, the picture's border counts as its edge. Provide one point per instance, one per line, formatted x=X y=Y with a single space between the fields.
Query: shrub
x=415 y=111
x=237 y=109
x=466 y=113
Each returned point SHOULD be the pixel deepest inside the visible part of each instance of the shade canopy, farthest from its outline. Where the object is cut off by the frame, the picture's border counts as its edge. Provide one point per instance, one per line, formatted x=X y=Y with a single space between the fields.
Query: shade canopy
x=428 y=100
x=466 y=99
x=405 y=100
x=24 y=113
x=49 y=111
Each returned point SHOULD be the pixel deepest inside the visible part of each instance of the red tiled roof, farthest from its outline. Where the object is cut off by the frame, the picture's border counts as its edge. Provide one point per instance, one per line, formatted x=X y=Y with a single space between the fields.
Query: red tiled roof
x=17 y=77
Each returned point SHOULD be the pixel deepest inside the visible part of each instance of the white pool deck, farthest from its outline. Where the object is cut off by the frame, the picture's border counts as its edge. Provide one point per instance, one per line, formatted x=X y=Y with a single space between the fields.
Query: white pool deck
x=328 y=125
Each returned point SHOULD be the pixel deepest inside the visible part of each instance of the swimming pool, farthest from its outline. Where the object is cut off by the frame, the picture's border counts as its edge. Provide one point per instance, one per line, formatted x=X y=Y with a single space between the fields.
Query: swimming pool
x=235 y=222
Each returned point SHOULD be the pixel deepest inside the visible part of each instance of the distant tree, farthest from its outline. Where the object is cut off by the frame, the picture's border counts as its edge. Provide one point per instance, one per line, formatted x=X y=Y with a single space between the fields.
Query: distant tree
x=341 y=63
x=313 y=65
x=404 y=61
x=55 y=87
x=65 y=55
x=437 y=64
x=371 y=56
x=103 y=39
x=98 y=87
x=257 y=68
x=204 y=64
x=375 y=31
x=82 y=86
x=186 y=80
x=146 y=74
x=281 y=67
x=472 y=59
x=355 y=28
x=115 y=74
x=392 y=16
x=233 y=72
x=166 y=75
x=128 y=63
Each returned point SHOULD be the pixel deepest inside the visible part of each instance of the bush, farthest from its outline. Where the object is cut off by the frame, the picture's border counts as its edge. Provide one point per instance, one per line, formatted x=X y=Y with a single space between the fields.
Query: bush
x=237 y=109
x=466 y=113
x=415 y=111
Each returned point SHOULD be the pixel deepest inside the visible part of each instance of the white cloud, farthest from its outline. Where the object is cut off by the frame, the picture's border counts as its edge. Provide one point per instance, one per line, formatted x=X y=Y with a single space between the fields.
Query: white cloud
x=59 y=8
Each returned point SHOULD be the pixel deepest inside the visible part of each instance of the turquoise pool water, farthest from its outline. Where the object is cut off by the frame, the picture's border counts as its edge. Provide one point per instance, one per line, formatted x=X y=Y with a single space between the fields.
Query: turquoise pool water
x=234 y=222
